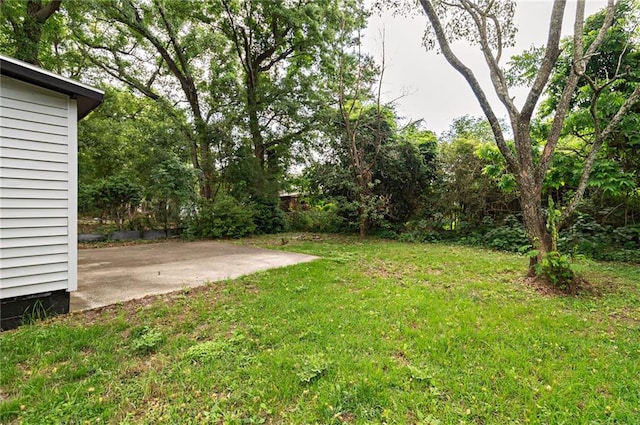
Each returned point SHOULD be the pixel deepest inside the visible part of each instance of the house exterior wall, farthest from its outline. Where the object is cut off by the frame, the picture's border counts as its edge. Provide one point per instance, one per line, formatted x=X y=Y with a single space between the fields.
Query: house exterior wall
x=38 y=190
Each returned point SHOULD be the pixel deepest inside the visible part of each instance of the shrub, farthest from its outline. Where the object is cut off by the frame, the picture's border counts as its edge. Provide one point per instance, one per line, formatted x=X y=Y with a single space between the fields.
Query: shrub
x=587 y=237
x=420 y=231
x=223 y=218
x=322 y=219
x=556 y=269
x=510 y=236
x=268 y=217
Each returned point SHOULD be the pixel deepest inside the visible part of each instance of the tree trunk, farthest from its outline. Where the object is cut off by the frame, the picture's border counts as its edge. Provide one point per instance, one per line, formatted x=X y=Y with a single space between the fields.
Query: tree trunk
x=534 y=220
x=254 y=123
x=206 y=161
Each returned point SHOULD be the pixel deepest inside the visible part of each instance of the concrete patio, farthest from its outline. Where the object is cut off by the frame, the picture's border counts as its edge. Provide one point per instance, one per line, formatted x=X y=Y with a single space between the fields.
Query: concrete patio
x=111 y=275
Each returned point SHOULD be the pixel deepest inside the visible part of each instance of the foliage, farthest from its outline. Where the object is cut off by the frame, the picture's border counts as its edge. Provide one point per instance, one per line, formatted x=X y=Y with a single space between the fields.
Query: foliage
x=472 y=184
x=491 y=28
x=268 y=217
x=28 y=29
x=587 y=237
x=321 y=219
x=408 y=333
x=556 y=268
x=399 y=164
x=146 y=339
x=114 y=198
x=172 y=187
x=312 y=367
x=222 y=218
x=244 y=74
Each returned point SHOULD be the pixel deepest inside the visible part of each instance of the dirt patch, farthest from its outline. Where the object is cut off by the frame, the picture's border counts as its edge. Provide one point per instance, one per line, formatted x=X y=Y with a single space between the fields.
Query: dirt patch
x=546 y=288
x=400 y=358
x=346 y=417
x=398 y=271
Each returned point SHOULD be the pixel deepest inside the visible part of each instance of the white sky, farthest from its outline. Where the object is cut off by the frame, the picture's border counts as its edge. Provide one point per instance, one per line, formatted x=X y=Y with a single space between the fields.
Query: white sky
x=432 y=89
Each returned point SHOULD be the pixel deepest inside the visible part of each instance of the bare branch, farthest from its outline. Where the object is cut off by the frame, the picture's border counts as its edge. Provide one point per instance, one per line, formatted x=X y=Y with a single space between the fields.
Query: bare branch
x=552 y=51
x=467 y=73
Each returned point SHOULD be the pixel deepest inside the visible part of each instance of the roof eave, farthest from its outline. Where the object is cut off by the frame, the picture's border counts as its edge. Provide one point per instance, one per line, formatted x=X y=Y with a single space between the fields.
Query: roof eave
x=88 y=98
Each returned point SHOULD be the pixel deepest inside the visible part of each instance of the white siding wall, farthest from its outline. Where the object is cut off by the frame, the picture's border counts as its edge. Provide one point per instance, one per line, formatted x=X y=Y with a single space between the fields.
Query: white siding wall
x=37 y=190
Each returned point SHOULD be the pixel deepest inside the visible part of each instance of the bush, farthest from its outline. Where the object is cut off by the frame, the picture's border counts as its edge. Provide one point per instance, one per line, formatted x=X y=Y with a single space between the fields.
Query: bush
x=321 y=219
x=268 y=217
x=587 y=237
x=556 y=269
x=223 y=218
x=420 y=231
x=510 y=236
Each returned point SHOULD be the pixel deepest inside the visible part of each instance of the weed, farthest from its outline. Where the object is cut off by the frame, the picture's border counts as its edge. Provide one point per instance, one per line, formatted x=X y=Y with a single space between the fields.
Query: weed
x=556 y=268
x=205 y=351
x=145 y=340
x=312 y=367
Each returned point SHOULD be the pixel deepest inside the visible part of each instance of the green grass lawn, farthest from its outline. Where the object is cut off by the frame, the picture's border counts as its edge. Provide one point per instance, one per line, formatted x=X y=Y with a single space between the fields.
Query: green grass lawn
x=374 y=332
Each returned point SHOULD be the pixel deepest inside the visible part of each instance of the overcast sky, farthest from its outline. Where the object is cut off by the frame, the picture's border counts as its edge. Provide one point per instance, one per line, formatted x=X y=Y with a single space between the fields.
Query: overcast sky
x=432 y=89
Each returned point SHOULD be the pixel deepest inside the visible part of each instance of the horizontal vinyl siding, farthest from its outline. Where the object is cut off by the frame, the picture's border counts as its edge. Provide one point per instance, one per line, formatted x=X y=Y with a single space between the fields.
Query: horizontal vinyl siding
x=37 y=288
x=34 y=242
x=32 y=251
x=26 y=94
x=32 y=213
x=29 y=164
x=33 y=155
x=34 y=203
x=28 y=145
x=14 y=133
x=34 y=184
x=41 y=194
x=32 y=279
x=21 y=223
x=38 y=127
x=9 y=264
x=35 y=108
x=14 y=112
x=18 y=173
x=34 y=190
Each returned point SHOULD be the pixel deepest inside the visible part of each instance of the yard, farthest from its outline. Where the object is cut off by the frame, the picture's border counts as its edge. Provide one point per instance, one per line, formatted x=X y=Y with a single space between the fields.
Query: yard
x=374 y=332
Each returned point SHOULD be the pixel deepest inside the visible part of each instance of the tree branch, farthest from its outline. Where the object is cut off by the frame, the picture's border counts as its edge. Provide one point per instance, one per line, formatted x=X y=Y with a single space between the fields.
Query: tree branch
x=595 y=149
x=512 y=162
x=577 y=69
x=43 y=13
x=552 y=51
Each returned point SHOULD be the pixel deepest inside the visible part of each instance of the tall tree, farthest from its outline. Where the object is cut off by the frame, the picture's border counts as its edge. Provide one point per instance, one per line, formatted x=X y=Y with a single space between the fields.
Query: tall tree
x=282 y=47
x=162 y=50
x=489 y=25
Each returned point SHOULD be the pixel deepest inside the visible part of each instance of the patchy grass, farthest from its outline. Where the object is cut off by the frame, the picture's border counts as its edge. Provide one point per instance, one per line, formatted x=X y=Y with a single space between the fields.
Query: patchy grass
x=374 y=332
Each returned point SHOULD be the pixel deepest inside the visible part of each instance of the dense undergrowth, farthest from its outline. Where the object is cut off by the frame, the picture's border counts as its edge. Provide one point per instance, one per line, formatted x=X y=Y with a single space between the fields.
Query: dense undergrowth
x=584 y=237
